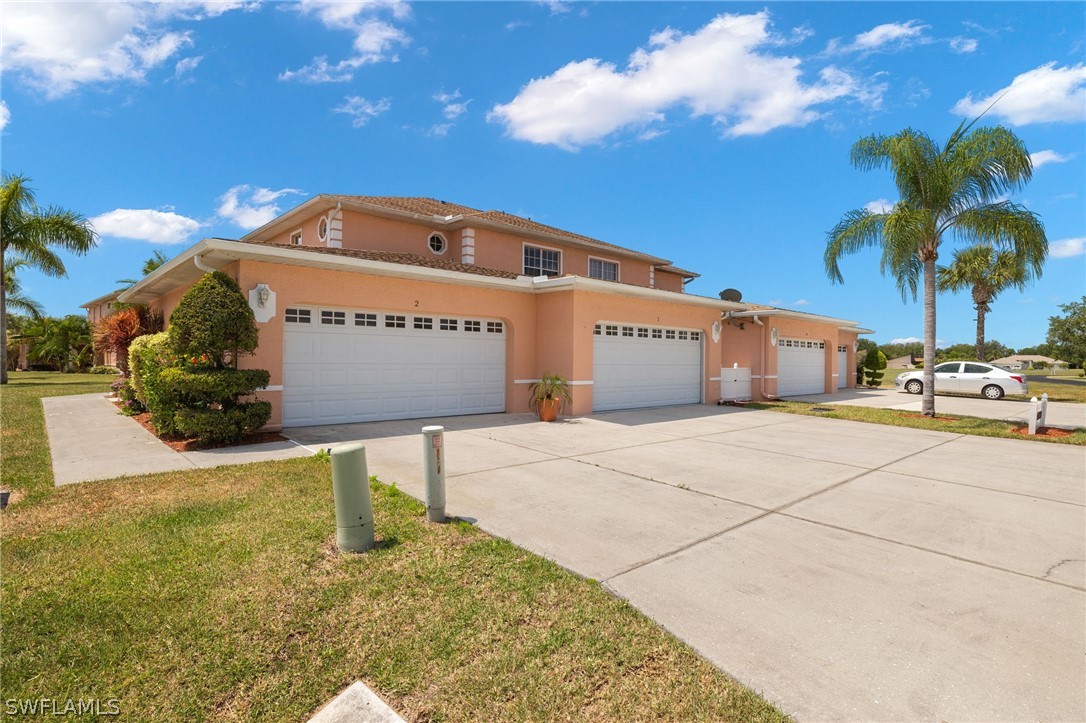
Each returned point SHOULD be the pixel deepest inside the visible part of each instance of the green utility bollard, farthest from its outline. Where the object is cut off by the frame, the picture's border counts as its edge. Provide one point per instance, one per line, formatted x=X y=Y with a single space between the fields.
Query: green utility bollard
x=351 y=488
x=433 y=463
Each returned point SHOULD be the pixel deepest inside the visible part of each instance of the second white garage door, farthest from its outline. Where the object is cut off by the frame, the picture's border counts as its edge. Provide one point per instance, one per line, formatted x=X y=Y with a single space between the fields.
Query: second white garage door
x=343 y=365
x=801 y=367
x=643 y=366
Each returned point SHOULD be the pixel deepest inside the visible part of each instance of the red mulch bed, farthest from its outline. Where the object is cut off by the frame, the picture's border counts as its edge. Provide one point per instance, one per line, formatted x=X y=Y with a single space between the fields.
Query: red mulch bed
x=1043 y=432
x=187 y=444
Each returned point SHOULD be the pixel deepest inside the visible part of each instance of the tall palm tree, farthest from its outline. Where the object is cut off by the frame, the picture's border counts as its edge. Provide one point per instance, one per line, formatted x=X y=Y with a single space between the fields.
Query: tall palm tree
x=16 y=299
x=987 y=272
x=29 y=231
x=954 y=189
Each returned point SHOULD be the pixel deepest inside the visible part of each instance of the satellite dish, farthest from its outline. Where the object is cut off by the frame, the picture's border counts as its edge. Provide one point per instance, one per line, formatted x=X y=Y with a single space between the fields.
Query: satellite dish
x=731 y=295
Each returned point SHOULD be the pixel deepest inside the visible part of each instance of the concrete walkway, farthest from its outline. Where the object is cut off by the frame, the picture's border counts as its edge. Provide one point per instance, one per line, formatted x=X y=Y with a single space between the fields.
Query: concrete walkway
x=847 y=571
x=1068 y=415
x=90 y=440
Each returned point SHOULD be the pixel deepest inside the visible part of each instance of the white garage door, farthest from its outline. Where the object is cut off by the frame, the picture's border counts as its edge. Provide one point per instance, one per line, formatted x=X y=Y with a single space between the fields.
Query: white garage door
x=644 y=366
x=344 y=365
x=843 y=371
x=801 y=367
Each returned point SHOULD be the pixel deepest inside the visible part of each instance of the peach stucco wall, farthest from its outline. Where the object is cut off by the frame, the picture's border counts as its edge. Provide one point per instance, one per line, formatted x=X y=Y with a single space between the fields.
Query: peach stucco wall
x=493 y=249
x=546 y=332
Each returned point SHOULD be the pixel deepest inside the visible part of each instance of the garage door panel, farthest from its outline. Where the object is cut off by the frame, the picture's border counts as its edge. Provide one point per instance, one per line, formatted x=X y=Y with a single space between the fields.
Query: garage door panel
x=801 y=367
x=336 y=374
x=645 y=371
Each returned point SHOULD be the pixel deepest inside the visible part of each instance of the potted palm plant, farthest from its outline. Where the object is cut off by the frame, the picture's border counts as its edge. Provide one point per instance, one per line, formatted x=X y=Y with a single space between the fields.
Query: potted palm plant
x=548 y=396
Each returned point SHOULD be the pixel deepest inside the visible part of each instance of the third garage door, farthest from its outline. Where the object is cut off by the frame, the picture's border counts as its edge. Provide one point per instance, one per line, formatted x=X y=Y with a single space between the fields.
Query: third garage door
x=645 y=366
x=801 y=367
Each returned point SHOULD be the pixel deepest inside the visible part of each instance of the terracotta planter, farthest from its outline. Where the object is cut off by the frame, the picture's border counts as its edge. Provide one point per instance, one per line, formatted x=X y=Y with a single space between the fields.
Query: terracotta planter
x=548 y=409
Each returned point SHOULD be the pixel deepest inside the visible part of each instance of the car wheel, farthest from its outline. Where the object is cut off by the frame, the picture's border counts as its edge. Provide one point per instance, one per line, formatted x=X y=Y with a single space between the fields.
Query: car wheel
x=914 y=386
x=992 y=391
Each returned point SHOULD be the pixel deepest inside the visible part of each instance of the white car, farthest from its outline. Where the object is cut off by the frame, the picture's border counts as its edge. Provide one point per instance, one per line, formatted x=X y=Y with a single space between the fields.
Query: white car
x=963 y=377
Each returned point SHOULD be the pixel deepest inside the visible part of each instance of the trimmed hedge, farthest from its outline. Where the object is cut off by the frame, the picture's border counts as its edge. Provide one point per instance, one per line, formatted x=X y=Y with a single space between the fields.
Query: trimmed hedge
x=229 y=424
x=148 y=357
x=213 y=321
x=212 y=386
x=103 y=369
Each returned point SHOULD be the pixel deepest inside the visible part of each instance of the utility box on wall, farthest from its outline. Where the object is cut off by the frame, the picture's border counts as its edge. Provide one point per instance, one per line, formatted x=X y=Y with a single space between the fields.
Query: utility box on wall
x=735 y=384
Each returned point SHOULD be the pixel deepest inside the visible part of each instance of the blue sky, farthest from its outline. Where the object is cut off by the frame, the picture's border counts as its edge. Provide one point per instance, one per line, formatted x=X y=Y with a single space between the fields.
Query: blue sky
x=715 y=135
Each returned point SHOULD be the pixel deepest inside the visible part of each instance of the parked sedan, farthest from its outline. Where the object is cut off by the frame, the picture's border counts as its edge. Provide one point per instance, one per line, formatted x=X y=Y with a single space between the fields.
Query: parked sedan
x=965 y=378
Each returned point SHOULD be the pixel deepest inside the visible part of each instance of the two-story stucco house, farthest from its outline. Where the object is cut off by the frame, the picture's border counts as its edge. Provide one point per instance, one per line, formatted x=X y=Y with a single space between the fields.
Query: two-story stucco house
x=374 y=308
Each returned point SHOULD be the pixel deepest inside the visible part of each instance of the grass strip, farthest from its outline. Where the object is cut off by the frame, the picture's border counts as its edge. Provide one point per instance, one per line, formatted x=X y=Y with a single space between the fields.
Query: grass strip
x=218 y=594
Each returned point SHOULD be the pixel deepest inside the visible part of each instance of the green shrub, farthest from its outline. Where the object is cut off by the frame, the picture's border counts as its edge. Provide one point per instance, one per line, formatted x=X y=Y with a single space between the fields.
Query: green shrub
x=148 y=357
x=213 y=386
x=213 y=322
x=228 y=424
x=103 y=369
x=873 y=365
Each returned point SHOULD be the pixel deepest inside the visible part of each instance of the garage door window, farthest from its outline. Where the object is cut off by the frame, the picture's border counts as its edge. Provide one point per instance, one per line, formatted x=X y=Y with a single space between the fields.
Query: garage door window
x=365 y=319
x=393 y=321
x=334 y=318
x=424 y=322
x=448 y=324
x=297 y=316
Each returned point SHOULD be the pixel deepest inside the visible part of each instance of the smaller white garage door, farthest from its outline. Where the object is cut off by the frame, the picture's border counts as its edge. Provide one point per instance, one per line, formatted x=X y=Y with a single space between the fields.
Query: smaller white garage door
x=643 y=366
x=801 y=367
x=843 y=372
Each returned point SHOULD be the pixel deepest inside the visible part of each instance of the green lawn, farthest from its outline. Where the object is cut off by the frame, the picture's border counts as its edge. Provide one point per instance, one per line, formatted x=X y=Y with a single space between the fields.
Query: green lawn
x=947 y=423
x=218 y=594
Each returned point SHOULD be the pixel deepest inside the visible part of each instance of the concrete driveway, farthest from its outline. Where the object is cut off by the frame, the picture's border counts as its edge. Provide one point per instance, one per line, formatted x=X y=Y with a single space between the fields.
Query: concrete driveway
x=1068 y=415
x=847 y=571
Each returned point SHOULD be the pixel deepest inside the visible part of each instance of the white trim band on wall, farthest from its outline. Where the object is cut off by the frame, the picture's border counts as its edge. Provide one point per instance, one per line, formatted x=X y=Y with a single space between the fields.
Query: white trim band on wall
x=759 y=376
x=271 y=388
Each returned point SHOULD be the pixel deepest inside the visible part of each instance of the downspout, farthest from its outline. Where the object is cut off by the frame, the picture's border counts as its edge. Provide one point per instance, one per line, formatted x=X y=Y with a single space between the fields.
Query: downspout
x=201 y=265
x=759 y=322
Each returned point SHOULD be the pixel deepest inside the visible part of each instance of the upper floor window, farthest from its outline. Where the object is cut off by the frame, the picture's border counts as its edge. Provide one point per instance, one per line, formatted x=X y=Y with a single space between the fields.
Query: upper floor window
x=542 y=262
x=296 y=238
x=600 y=269
x=437 y=243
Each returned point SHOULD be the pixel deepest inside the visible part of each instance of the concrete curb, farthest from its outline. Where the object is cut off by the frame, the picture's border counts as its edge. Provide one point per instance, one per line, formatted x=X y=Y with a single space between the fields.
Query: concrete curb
x=356 y=704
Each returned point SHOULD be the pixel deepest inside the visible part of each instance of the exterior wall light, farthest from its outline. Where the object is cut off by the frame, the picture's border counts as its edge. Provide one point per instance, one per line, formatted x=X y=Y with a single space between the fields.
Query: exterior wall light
x=262 y=294
x=773 y=336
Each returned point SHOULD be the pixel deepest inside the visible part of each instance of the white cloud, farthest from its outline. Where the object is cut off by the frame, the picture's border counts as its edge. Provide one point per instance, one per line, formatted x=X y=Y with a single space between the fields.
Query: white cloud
x=251 y=208
x=361 y=110
x=801 y=302
x=5 y=115
x=1042 y=95
x=963 y=45
x=145 y=224
x=1067 y=248
x=452 y=110
x=516 y=24
x=723 y=70
x=185 y=66
x=557 y=7
x=906 y=340
x=439 y=130
x=58 y=47
x=1043 y=158
x=888 y=36
x=879 y=205
x=375 y=38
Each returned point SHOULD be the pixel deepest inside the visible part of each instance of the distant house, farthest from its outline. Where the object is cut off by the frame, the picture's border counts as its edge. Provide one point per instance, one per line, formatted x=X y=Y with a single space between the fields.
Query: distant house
x=1029 y=361
x=909 y=361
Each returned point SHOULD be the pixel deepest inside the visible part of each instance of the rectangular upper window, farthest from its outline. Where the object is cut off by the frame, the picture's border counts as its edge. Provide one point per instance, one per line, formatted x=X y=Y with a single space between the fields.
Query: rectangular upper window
x=600 y=269
x=298 y=316
x=448 y=324
x=542 y=262
x=334 y=318
x=296 y=238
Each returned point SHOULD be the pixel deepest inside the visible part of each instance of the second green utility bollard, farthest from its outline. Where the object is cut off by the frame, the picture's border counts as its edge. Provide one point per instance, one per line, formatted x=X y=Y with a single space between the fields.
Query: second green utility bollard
x=433 y=463
x=351 y=488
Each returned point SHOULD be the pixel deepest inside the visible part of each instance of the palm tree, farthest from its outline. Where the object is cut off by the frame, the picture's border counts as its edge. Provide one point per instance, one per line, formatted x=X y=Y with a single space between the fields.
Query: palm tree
x=15 y=297
x=953 y=189
x=28 y=231
x=987 y=272
x=156 y=260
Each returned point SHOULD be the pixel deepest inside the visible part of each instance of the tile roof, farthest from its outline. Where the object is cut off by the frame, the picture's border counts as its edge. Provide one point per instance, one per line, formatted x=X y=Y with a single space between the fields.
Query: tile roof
x=393 y=257
x=434 y=207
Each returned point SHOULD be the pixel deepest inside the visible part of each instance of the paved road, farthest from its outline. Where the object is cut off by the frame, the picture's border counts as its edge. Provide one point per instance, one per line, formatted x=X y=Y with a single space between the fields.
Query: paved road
x=847 y=571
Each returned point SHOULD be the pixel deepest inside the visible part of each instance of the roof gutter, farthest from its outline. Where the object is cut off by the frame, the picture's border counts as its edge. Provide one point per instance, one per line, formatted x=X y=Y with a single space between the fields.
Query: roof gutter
x=839 y=323
x=581 y=283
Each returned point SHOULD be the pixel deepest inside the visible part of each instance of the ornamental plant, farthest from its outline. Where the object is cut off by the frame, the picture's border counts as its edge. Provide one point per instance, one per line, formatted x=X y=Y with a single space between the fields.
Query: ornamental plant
x=213 y=323
x=873 y=366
